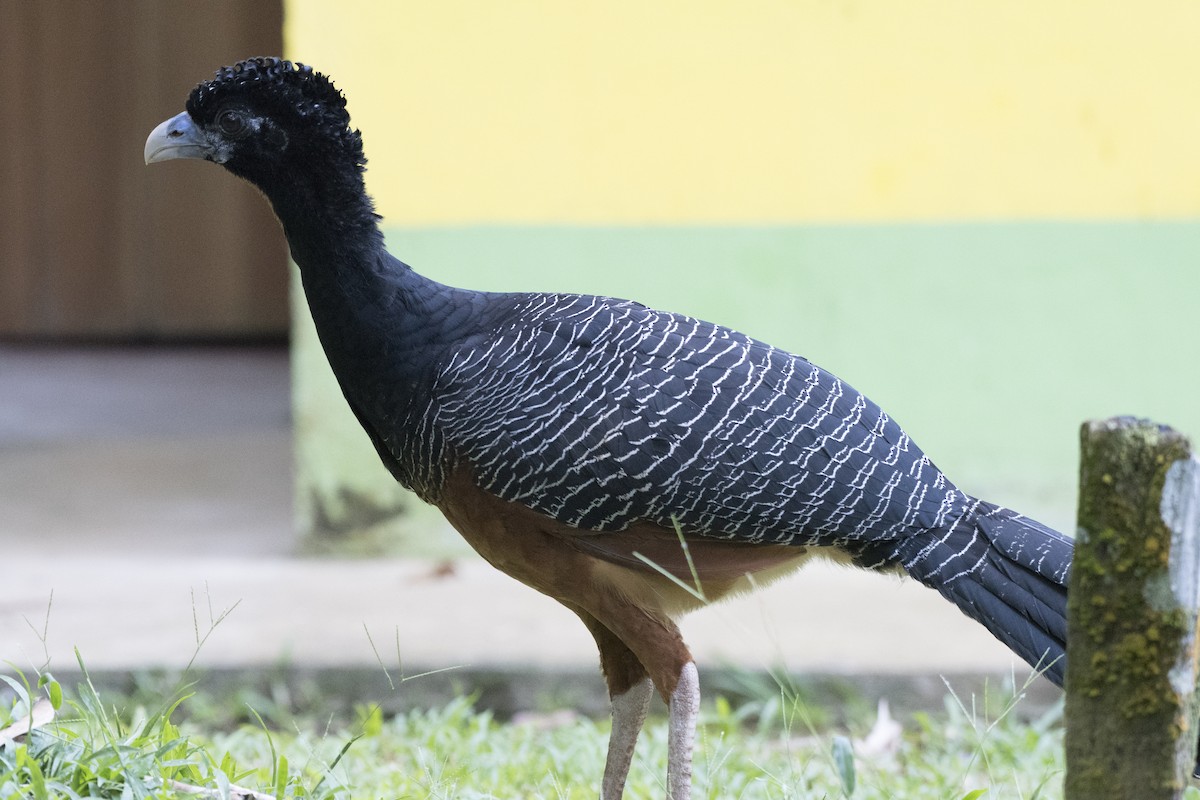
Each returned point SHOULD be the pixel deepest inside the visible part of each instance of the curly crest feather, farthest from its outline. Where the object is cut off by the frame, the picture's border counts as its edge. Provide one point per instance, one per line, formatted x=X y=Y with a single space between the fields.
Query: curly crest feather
x=290 y=92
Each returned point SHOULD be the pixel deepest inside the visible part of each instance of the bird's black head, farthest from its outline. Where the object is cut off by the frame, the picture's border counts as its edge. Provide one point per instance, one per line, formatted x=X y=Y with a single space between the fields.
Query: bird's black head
x=262 y=118
x=283 y=127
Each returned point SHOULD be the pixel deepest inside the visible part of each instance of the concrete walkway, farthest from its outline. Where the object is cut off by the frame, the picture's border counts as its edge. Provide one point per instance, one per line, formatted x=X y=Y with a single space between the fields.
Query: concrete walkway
x=148 y=492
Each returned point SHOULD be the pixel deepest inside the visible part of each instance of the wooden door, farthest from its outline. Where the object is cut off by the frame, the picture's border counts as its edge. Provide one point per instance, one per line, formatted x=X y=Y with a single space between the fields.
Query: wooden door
x=93 y=244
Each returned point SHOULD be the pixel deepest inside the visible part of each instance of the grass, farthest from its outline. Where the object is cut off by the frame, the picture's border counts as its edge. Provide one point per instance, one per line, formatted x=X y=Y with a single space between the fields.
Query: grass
x=774 y=746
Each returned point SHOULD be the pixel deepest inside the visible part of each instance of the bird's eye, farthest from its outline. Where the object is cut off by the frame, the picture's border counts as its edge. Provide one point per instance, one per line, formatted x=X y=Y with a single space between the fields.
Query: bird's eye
x=231 y=123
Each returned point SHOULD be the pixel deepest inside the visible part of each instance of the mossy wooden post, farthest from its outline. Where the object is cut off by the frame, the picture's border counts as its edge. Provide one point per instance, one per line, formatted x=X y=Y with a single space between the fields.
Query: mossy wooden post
x=1131 y=670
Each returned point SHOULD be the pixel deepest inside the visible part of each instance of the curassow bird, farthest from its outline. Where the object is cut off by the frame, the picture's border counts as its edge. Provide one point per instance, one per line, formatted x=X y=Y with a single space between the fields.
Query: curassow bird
x=577 y=441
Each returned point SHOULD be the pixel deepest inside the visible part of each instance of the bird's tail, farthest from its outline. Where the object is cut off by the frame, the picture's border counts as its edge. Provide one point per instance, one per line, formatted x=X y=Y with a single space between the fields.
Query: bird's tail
x=1007 y=572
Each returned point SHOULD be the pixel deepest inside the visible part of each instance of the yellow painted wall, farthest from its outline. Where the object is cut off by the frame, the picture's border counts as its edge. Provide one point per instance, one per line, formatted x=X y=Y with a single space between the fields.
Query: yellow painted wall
x=626 y=111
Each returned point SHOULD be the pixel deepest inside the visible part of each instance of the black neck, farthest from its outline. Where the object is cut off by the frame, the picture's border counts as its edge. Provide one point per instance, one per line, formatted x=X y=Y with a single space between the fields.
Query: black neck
x=382 y=326
x=368 y=307
x=329 y=220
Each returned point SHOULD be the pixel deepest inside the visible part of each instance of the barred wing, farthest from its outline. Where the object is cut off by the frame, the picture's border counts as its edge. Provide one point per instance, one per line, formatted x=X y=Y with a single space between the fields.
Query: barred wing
x=602 y=412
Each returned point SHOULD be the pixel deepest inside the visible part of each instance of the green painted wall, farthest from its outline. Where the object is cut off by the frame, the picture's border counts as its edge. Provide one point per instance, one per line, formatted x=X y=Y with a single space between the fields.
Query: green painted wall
x=989 y=342
x=984 y=215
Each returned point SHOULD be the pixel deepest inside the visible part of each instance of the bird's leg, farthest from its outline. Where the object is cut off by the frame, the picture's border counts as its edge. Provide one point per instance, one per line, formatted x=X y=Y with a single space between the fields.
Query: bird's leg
x=681 y=734
x=628 y=715
x=629 y=691
x=654 y=644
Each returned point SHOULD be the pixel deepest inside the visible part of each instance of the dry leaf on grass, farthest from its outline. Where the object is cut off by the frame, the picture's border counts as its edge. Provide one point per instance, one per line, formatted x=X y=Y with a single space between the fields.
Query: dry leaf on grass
x=235 y=792
x=41 y=714
x=884 y=737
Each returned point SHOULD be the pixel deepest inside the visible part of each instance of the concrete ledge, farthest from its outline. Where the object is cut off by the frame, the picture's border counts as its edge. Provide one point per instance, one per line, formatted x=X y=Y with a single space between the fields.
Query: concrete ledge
x=126 y=611
x=148 y=491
